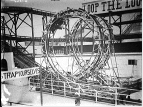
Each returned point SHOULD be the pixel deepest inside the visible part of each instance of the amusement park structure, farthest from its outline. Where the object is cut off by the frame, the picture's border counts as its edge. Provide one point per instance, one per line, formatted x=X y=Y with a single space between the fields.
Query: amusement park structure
x=88 y=46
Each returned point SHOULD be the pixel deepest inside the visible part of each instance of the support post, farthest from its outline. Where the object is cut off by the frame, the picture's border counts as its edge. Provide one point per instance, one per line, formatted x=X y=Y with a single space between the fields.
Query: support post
x=116 y=93
x=15 y=27
x=64 y=89
x=29 y=84
x=93 y=38
x=68 y=27
x=51 y=84
x=120 y=27
x=3 y=32
x=10 y=103
x=32 y=28
x=67 y=36
x=41 y=83
x=96 y=96
x=79 y=89
x=44 y=21
x=110 y=12
x=81 y=47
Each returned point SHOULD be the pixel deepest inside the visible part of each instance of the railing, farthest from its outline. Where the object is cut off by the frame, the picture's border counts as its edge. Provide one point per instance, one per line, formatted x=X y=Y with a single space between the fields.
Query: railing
x=24 y=60
x=20 y=63
x=95 y=93
x=129 y=27
x=11 y=104
x=27 y=9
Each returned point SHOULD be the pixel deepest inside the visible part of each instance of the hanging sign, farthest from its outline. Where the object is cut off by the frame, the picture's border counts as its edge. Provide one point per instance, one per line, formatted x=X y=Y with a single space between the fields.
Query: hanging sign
x=103 y=6
x=19 y=73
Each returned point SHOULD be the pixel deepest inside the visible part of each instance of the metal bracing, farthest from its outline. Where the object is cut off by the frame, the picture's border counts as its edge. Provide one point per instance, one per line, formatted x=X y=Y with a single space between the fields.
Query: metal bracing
x=116 y=19
x=85 y=26
x=12 y=25
x=14 y=18
x=44 y=22
x=2 y=33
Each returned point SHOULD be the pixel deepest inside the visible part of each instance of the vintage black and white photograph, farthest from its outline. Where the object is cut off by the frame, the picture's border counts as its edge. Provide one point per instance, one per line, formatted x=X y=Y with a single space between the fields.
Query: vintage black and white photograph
x=71 y=53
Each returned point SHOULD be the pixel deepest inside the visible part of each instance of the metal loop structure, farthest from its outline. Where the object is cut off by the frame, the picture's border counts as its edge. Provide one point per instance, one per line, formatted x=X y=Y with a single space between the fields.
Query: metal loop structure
x=85 y=41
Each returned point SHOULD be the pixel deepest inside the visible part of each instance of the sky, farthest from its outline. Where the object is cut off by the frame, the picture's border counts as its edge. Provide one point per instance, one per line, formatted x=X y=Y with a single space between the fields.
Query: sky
x=49 y=5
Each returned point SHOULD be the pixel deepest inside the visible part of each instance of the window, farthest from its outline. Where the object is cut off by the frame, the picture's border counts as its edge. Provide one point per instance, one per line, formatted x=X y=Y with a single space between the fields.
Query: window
x=132 y=62
x=4 y=66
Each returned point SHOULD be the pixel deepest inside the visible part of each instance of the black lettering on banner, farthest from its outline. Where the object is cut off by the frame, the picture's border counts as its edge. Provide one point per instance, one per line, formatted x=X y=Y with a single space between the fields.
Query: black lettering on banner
x=119 y=4
x=127 y=4
x=92 y=8
x=13 y=74
x=8 y=75
x=25 y=72
x=2 y=77
x=88 y=8
x=37 y=71
x=138 y=2
x=96 y=5
x=22 y=73
x=103 y=3
x=19 y=73
x=133 y=3
x=28 y=72
x=32 y=70
x=5 y=76
x=111 y=5
x=16 y=72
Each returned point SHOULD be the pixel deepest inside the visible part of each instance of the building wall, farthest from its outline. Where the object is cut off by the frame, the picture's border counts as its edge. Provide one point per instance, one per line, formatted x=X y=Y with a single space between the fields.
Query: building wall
x=125 y=64
x=8 y=56
x=125 y=67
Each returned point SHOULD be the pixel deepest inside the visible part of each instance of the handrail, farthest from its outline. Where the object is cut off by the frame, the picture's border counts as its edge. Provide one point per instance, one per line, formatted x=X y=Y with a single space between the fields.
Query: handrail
x=135 y=16
x=113 y=97
x=18 y=103
x=27 y=9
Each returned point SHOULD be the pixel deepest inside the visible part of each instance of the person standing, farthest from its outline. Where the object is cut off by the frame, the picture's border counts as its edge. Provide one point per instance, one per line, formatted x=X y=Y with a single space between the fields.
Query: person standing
x=4 y=93
x=77 y=100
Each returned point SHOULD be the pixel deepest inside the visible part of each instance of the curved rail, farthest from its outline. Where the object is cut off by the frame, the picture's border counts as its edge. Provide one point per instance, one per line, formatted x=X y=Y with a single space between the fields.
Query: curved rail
x=20 y=10
x=101 y=38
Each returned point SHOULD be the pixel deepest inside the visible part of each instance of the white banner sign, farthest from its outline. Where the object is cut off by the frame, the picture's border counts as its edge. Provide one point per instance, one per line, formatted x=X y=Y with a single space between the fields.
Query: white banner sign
x=19 y=73
x=104 y=6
